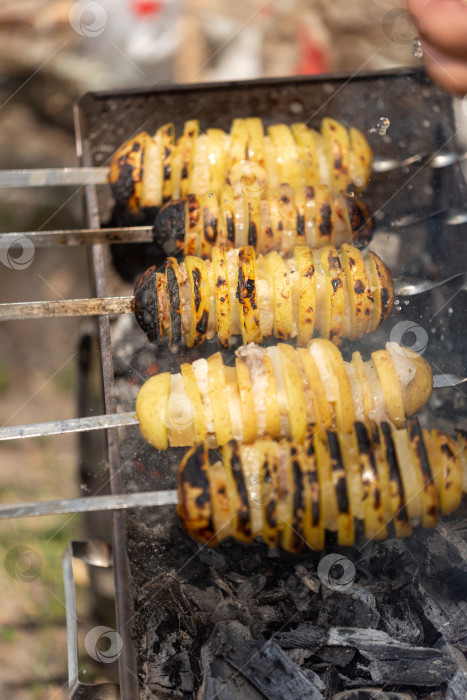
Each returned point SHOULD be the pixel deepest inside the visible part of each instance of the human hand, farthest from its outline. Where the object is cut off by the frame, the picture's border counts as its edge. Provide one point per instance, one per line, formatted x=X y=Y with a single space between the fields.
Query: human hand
x=442 y=27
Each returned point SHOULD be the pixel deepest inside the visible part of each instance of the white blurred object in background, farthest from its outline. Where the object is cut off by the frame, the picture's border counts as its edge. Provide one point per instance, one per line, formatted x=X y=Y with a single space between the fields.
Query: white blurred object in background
x=136 y=39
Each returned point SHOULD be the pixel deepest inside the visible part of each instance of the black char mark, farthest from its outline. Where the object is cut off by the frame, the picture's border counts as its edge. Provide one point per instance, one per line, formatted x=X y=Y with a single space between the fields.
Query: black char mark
x=196 y=284
x=210 y=225
x=174 y=296
x=337 y=465
x=361 y=221
x=298 y=509
x=243 y=514
x=124 y=186
x=169 y=227
x=365 y=448
x=325 y=228
x=193 y=475
x=394 y=472
x=146 y=311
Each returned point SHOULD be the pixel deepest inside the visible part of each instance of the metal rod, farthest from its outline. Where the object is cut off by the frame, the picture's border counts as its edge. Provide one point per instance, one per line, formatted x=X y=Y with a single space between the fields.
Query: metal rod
x=66 y=307
x=77 y=237
x=70 y=425
x=53 y=177
x=89 y=503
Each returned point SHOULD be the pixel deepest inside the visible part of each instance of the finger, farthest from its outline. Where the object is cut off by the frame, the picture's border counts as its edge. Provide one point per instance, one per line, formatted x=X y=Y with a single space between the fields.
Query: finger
x=445 y=70
x=442 y=23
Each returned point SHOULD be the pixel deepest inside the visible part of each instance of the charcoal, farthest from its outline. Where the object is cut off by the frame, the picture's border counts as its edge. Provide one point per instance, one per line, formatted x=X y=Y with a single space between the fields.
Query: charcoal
x=251 y=587
x=357 y=637
x=336 y=656
x=266 y=613
x=371 y=694
x=315 y=679
x=299 y=593
x=311 y=582
x=214 y=559
x=457 y=684
x=305 y=636
x=400 y=621
x=220 y=680
x=271 y=671
x=401 y=664
x=251 y=564
x=167 y=669
x=353 y=607
x=228 y=610
x=441 y=556
x=272 y=597
x=332 y=682
x=205 y=599
x=299 y=656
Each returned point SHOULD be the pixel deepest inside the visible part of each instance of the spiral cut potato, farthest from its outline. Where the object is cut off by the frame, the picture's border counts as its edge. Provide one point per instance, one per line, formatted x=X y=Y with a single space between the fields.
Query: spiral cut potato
x=279 y=392
x=331 y=293
x=289 y=494
x=305 y=215
x=148 y=171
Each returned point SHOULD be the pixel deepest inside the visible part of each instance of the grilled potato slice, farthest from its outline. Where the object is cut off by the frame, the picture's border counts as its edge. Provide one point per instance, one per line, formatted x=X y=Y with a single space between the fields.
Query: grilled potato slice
x=219 y=265
x=390 y=385
x=217 y=392
x=247 y=401
x=199 y=298
x=193 y=393
x=338 y=152
x=375 y=526
x=360 y=296
x=151 y=409
x=313 y=521
x=282 y=327
x=308 y=153
x=361 y=158
x=307 y=294
x=295 y=392
x=247 y=296
x=195 y=496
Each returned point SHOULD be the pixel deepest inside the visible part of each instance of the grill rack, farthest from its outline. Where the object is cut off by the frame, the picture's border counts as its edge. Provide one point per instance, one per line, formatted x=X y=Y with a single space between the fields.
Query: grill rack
x=104 y=120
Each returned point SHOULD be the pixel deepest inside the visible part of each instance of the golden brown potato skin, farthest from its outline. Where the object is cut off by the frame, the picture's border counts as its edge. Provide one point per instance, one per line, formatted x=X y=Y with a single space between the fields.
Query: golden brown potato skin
x=240 y=492
x=332 y=279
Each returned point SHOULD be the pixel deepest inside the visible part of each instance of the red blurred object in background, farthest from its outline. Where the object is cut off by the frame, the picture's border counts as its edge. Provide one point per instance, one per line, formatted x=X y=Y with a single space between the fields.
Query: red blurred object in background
x=144 y=8
x=313 y=56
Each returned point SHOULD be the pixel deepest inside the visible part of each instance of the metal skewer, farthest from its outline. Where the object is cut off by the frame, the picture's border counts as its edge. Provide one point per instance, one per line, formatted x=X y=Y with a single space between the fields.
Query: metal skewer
x=78 y=237
x=116 y=420
x=90 y=503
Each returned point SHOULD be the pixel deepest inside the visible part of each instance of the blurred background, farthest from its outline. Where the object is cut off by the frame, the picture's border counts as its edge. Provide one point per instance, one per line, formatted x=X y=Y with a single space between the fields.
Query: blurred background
x=51 y=52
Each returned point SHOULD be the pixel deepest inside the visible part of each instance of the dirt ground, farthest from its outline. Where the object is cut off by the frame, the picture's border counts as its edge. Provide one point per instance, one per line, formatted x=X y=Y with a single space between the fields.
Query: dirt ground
x=44 y=67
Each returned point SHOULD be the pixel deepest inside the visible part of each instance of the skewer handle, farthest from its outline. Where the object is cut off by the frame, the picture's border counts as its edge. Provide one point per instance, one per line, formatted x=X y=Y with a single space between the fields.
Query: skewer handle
x=67 y=307
x=90 y=503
